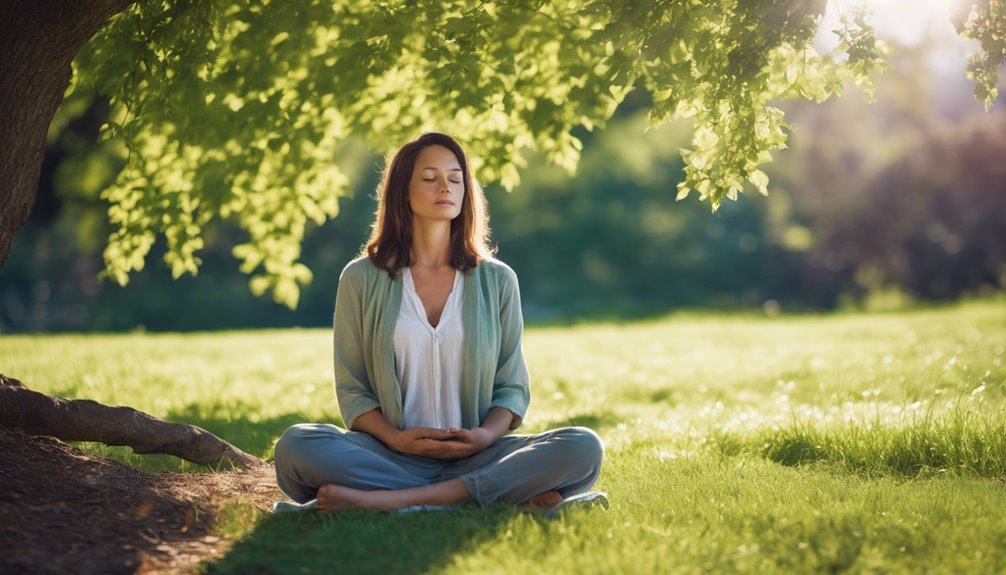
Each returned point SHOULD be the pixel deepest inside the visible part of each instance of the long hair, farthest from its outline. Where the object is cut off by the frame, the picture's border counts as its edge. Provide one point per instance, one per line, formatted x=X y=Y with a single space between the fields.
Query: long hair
x=390 y=243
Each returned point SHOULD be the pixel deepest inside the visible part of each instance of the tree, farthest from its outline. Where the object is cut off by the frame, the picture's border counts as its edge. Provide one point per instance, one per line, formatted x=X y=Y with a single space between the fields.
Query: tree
x=924 y=214
x=232 y=108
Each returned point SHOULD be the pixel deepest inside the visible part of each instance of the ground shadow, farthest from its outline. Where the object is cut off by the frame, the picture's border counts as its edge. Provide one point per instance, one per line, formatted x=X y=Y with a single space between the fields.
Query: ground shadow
x=595 y=421
x=363 y=542
x=236 y=423
x=68 y=512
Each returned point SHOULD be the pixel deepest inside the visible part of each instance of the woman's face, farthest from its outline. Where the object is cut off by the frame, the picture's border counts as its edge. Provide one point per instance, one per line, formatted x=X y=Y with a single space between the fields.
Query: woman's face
x=437 y=187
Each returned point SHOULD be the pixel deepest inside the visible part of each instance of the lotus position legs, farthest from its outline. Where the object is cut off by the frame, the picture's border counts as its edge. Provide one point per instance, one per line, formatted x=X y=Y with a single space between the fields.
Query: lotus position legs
x=347 y=469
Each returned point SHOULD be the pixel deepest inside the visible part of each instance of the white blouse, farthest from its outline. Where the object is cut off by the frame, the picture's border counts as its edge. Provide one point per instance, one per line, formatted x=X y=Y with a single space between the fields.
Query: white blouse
x=428 y=359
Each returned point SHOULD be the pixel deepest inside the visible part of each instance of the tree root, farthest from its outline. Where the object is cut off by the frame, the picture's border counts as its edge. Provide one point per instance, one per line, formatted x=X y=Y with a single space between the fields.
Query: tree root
x=85 y=420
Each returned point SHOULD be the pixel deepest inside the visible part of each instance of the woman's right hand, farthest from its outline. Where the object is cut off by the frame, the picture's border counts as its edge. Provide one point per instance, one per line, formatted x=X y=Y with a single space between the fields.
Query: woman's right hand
x=430 y=442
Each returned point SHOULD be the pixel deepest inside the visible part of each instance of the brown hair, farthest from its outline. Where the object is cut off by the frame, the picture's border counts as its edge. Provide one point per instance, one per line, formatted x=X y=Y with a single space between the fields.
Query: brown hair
x=390 y=240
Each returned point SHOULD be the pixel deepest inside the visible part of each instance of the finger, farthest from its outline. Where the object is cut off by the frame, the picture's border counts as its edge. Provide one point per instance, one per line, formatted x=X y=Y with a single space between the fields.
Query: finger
x=464 y=450
x=461 y=435
x=445 y=449
x=429 y=447
x=445 y=445
x=430 y=433
x=443 y=434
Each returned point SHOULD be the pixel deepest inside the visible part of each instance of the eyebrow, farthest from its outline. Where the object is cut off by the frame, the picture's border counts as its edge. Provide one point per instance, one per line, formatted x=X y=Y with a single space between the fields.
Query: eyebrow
x=450 y=170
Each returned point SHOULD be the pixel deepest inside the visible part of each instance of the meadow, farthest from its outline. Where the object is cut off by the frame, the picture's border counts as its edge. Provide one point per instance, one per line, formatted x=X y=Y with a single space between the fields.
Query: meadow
x=734 y=443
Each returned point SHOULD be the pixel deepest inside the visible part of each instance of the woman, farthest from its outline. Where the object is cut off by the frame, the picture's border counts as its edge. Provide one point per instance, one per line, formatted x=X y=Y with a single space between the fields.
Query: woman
x=429 y=370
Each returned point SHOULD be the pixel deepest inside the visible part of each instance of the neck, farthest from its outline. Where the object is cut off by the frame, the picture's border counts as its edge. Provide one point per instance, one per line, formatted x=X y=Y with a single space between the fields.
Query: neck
x=431 y=243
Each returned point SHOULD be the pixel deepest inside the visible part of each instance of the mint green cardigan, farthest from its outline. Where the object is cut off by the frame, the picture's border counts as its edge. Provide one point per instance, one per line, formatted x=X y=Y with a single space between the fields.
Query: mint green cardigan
x=494 y=373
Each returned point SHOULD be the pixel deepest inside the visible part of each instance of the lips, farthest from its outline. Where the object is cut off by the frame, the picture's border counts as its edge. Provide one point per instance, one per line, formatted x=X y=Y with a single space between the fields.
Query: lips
x=444 y=203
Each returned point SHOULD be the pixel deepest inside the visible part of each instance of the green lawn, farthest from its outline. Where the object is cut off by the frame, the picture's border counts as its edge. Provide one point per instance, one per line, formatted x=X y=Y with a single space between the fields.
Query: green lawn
x=868 y=443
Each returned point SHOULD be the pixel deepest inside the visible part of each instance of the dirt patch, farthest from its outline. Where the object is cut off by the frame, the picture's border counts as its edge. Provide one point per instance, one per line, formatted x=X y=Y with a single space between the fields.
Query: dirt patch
x=66 y=511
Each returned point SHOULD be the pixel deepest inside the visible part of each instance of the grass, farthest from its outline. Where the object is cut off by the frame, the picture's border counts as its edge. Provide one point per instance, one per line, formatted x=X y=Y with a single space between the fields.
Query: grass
x=962 y=442
x=860 y=443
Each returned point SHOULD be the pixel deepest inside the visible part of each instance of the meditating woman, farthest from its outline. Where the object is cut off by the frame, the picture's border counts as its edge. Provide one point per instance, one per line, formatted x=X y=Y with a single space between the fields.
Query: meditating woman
x=429 y=370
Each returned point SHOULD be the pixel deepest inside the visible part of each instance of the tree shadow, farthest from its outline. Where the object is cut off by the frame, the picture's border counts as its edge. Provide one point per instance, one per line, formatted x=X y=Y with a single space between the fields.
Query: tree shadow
x=351 y=541
x=68 y=512
x=595 y=421
x=363 y=542
x=237 y=423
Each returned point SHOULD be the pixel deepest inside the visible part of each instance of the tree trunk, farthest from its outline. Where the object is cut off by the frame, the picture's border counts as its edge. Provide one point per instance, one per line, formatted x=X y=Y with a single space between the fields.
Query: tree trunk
x=85 y=420
x=38 y=40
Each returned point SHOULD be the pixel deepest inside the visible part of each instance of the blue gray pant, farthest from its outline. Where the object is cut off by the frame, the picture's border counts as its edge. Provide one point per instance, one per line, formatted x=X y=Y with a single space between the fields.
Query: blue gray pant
x=513 y=469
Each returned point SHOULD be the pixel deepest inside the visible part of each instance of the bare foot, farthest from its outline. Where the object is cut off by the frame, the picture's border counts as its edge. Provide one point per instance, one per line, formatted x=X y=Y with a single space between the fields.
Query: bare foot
x=337 y=497
x=545 y=500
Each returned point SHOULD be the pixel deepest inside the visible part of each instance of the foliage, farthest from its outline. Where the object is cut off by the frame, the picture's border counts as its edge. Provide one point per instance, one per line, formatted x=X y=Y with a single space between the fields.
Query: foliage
x=823 y=235
x=984 y=21
x=608 y=243
x=233 y=108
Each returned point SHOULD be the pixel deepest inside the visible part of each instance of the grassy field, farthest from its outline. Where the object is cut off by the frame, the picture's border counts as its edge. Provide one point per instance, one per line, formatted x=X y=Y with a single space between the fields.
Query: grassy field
x=861 y=443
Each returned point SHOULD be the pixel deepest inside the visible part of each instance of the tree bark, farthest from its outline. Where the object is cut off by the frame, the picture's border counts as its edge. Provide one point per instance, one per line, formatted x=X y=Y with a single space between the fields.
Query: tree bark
x=85 y=420
x=38 y=40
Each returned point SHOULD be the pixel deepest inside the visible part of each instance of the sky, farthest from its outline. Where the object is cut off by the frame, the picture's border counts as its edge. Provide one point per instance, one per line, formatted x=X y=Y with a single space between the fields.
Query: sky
x=907 y=22
x=913 y=24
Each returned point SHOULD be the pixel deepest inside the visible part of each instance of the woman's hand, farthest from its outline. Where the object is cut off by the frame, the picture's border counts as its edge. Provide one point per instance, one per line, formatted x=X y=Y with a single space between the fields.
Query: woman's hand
x=451 y=443
x=475 y=439
x=428 y=442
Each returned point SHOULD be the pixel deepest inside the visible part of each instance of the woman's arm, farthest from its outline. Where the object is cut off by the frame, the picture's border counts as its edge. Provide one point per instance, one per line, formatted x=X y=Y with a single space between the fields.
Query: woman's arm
x=493 y=427
x=374 y=423
x=354 y=392
x=511 y=386
x=497 y=423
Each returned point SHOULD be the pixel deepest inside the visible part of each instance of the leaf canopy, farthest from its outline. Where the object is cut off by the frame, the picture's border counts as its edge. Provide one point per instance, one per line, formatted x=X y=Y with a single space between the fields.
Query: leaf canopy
x=235 y=109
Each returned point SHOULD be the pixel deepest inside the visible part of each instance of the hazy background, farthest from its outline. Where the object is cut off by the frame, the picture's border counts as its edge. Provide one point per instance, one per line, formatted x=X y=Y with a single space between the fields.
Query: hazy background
x=875 y=205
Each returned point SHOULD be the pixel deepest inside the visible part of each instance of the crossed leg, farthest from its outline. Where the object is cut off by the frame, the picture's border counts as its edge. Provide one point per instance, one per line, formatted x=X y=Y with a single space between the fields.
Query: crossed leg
x=346 y=471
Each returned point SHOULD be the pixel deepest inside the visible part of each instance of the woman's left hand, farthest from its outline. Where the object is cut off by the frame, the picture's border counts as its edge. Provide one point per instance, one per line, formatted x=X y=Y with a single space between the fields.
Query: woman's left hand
x=476 y=439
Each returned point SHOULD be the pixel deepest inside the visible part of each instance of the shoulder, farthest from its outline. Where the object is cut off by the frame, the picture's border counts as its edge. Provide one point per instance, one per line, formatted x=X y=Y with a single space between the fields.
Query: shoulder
x=359 y=269
x=361 y=275
x=498 y=273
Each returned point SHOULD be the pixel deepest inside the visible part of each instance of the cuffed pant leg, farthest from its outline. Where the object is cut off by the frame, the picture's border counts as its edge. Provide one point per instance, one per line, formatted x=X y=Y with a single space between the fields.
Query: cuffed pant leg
x=310 y=455
x=516 y=468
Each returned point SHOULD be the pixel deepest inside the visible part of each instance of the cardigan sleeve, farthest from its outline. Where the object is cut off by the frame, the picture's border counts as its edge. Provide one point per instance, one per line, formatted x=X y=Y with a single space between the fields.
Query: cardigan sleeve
x=356 y=396
x=511 y=386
